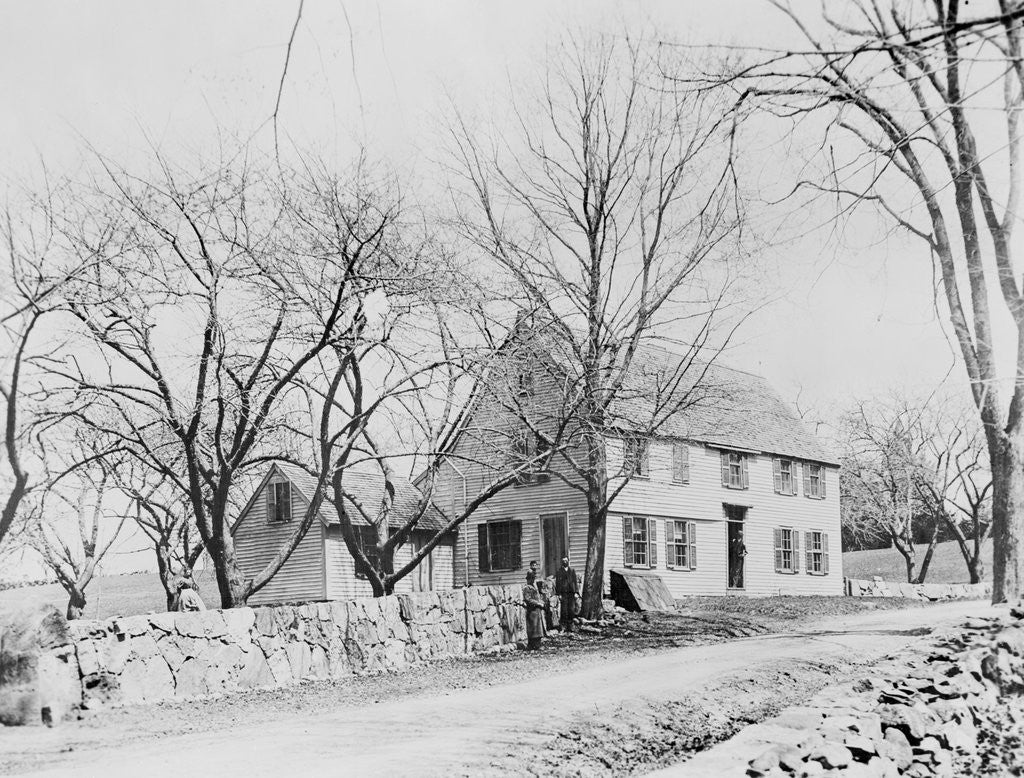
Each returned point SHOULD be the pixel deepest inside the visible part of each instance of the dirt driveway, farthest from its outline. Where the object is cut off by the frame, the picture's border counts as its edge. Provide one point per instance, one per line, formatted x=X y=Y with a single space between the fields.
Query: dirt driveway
x=532 y=726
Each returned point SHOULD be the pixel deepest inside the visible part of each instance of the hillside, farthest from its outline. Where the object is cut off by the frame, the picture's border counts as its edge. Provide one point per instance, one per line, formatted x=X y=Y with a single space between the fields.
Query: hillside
x=947 y=564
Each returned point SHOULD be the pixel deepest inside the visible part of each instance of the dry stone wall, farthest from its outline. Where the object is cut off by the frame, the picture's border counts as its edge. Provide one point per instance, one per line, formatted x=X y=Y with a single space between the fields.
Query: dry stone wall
x=956 y=709
x=141 y=659
x=876 y=587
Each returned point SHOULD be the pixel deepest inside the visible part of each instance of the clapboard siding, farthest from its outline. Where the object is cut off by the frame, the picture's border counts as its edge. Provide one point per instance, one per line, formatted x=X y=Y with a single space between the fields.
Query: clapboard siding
x=256 y=541
x=342 y=583
x=702 y=500
x=483 y=451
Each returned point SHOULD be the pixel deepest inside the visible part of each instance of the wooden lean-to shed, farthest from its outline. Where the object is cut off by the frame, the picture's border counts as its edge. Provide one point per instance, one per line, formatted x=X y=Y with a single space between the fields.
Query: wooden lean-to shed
x=321 y=567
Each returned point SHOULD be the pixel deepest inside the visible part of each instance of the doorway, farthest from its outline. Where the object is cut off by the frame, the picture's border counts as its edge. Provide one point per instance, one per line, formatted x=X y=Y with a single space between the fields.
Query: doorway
x=735 y=516
x=423 y=573
x=554 y=533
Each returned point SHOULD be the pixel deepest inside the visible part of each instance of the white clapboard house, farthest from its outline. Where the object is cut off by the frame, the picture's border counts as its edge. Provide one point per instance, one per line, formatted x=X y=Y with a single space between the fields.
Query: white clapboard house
x=321 y=567
x=734 y=495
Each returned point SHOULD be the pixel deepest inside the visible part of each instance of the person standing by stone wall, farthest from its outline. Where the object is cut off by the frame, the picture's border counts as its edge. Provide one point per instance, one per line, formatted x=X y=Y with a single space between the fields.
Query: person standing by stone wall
x=534 y=612
x=566 y=587
x=545 y=593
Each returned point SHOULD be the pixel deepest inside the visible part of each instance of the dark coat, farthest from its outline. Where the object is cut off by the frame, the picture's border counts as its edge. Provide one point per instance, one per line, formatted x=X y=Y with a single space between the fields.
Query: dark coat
x=534 y=612
x=565 y=581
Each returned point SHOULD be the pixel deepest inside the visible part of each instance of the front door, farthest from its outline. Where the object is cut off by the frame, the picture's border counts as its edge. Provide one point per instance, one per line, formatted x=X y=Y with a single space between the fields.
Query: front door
x=554 y=531
x=423 y=573
x=737 y=551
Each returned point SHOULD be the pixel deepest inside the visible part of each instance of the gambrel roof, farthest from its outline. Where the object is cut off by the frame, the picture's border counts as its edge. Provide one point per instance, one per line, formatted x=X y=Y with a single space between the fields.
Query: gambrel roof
x=734 y=409
x=368 y=488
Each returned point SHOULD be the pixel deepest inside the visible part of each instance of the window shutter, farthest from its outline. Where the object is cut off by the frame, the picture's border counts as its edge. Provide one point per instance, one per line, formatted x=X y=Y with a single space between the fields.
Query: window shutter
x=483 y=556
x=824 y=551
x=743 y=468
x=778 y=550
x=670 y=551
x=270 y=501
x=821 y=481
x=691 y=536
x=807 y=479
x=777 y=472
x=685 y=449
x=796 y=550
x=652 y=541
x=515 y=534
x=645 y=458
x=725 y=468
x=809 y=551
x=627 y=546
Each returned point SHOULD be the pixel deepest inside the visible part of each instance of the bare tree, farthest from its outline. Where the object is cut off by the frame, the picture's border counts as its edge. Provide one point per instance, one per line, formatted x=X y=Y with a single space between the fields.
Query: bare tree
x=910 y=91
x=954 y=480
x=32 y=279
x=608 y=207
x=204 y=309
x=164 y=515
x=80 y=522
x=391 y=399
x=880 y=479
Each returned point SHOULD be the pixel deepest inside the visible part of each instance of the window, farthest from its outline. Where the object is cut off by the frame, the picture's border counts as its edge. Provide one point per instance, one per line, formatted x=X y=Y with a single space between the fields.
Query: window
x=785 y=475
x=816 y=546
x=524 y=384
x=786 y=550
x=499 y=546
x=635 y=460
x=680 y=463
x=279 y=501
x=734 y=470
x=814 y=481
x=525 y=446
x=680 y=545
x=639 y=542
x=366 y=539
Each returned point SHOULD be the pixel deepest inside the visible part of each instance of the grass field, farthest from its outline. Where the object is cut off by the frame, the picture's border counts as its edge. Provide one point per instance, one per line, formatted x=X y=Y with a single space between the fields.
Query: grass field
x=947 y=564
x=108 y=595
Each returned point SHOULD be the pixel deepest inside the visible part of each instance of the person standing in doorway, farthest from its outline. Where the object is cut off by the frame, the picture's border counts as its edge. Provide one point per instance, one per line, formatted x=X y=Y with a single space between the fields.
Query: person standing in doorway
x=566 y=587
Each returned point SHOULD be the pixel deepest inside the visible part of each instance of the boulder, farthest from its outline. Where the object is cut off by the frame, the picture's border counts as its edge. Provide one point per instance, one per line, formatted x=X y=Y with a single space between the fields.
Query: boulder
x=38 y=668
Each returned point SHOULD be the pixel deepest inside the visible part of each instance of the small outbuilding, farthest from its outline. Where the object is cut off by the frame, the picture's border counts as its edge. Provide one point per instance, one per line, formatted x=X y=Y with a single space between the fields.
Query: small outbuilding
x=321 y=567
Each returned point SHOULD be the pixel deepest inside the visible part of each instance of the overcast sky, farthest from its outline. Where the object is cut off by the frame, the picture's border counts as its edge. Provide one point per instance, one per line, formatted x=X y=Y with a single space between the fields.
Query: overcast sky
x=857 y=317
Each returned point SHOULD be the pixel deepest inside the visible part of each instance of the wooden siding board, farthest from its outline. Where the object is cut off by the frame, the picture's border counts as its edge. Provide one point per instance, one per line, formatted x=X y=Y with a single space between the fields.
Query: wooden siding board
x=256 y=541
x=702 y=499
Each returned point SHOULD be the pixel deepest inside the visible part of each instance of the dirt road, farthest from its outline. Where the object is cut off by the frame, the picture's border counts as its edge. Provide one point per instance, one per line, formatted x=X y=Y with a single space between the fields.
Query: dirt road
x=494 y=730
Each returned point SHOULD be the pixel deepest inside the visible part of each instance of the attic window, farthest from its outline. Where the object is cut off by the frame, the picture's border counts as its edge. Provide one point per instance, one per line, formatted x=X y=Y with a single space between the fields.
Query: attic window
x=279 y=502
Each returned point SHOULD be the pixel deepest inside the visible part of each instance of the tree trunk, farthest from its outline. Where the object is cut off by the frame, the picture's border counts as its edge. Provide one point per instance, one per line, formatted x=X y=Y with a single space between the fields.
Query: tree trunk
x=1007 y=458
x=926 y=562
x=231 y=582
x=76 y=604
x=166 y=572
x=908 y=553
x=593 y=575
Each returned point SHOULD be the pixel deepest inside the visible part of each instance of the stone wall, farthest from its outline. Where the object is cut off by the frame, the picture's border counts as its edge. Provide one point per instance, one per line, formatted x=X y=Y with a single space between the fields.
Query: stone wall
x=955 y=709
x=141 y=659
x=876 y=587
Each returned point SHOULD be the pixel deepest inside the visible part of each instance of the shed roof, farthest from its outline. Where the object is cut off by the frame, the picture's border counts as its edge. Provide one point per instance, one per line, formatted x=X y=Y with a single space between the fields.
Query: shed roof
x=368 y=489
